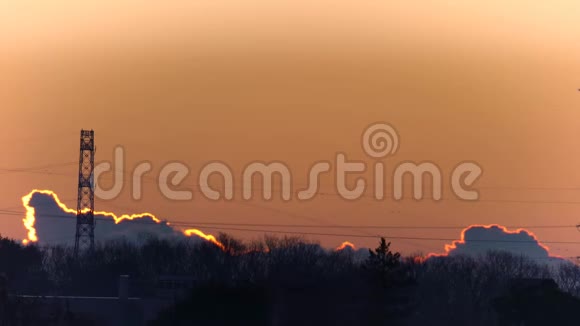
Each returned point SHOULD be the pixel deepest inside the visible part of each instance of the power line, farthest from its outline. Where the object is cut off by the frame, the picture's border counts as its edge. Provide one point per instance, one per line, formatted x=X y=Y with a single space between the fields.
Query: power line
x=408 y=227
x=229 y=226
x=323 y=193
x=388 y=237
x=36 y=168
x=332 y=226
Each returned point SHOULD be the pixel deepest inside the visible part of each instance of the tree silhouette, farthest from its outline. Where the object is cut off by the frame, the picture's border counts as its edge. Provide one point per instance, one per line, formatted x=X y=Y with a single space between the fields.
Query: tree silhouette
x=536 y=302
x=291 y=281
x=382 y=262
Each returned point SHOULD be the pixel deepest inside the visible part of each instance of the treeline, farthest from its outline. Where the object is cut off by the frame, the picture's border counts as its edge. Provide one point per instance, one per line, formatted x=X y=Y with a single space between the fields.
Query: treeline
x=290 y=281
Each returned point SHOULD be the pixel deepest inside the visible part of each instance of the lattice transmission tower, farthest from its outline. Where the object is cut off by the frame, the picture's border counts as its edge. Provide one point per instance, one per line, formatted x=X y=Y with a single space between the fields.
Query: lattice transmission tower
x=85 y=233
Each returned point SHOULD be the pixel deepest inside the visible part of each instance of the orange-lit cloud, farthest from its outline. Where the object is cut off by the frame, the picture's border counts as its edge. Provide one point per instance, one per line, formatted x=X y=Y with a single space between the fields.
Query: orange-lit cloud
x=208 y=237
x=345 y=245
x=29 y=220
x=476 y=239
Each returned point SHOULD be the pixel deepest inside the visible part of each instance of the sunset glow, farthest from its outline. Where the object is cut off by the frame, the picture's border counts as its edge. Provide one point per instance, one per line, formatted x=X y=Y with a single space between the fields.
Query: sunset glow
x=208 y=237
x=30 y=218
x=307 y=162
x=345 y=245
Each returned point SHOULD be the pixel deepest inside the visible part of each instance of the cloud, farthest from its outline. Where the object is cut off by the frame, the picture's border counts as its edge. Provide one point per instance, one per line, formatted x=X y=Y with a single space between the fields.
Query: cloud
x=476 y=240
x=49 y=221
x=348 y=249
x=346 y=245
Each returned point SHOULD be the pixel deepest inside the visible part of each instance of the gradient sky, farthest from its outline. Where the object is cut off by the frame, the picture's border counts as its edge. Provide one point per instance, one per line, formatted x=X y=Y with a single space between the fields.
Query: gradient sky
x=490 y=81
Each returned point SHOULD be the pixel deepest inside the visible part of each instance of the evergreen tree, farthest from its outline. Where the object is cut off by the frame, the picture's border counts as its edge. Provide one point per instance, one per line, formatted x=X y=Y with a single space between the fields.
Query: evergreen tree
x=382 y=262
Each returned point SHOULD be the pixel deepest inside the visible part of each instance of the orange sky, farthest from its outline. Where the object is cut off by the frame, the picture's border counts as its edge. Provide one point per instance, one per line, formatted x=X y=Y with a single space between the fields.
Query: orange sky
x=295 y=81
